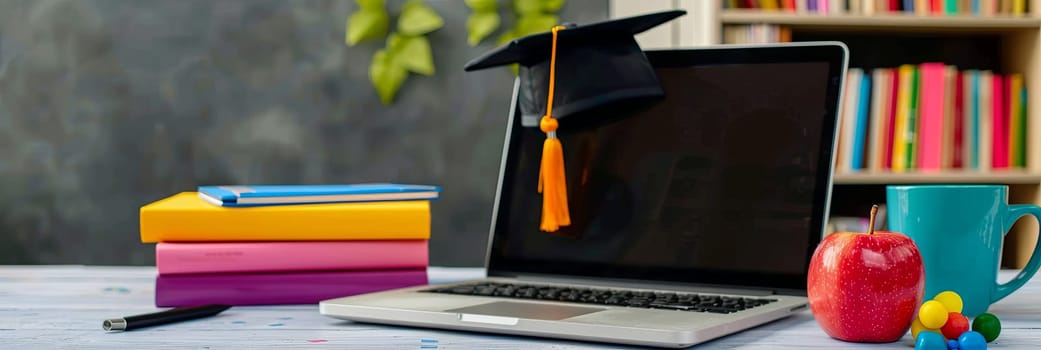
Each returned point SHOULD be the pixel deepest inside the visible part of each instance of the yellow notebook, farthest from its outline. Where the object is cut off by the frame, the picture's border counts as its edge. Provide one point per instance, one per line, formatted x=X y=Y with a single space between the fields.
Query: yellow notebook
x=185 y=217
x=1015 y=135
x=901 y=130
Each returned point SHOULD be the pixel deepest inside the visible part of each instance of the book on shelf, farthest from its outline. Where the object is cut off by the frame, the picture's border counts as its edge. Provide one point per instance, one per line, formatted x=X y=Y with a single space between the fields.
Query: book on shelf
x=185 y=217
x=931 y=117
x=278 y=288
x=756 y=34
x=256 y=195
x=873 y=7
x=222 y=257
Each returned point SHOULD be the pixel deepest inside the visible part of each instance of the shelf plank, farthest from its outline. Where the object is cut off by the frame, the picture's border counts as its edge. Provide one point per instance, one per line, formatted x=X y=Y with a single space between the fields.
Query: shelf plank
x=1011 y=177
x=895 y=21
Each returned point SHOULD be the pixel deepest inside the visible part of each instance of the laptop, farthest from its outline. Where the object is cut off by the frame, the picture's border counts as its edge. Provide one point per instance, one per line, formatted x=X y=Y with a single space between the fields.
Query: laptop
x=696 y=214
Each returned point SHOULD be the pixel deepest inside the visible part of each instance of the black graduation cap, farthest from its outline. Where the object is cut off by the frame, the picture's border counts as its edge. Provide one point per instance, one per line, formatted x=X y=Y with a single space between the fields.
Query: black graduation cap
x=597 y=64
x=573 y=69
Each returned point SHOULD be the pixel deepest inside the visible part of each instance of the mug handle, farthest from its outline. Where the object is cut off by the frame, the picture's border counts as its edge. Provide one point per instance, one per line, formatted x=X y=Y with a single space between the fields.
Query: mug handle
x=1015 y=212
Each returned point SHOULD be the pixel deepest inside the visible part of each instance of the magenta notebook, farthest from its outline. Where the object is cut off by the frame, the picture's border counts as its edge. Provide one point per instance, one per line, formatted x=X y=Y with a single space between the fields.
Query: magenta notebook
x=174 y=258
x=931 y=118
x=278 y=288
x=999 y=158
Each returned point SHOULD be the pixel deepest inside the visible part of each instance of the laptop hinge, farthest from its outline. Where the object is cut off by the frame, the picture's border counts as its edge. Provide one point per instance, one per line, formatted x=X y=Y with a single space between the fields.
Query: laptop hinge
x=629 y=284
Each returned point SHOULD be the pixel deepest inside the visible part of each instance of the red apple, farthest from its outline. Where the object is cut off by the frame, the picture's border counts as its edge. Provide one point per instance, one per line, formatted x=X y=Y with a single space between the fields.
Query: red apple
x=866 y=287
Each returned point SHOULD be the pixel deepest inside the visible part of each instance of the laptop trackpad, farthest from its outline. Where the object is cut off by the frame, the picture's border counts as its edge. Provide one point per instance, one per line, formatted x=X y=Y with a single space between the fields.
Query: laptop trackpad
x=527 y=310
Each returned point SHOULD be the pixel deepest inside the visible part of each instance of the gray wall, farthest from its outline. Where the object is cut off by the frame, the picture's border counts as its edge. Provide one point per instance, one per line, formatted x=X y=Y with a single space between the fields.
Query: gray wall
x=108 y=105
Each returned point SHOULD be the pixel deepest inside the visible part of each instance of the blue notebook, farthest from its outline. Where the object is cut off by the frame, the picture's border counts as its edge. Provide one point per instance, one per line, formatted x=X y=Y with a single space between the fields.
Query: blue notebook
x=258 y=195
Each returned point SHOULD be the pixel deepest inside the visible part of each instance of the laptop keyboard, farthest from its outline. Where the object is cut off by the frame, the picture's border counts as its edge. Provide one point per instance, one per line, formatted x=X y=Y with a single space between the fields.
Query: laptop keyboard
x=640 y=299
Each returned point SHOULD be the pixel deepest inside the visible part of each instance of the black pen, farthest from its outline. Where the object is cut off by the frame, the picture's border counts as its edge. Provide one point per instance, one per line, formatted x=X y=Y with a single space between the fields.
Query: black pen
x=163 y=317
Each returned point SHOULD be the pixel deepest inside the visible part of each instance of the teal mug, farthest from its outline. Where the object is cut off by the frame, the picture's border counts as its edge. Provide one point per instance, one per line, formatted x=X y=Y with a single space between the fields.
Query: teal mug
x=959 y=231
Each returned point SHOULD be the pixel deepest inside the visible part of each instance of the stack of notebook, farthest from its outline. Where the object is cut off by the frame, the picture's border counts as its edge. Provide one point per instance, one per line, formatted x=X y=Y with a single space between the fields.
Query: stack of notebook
x=265 y=245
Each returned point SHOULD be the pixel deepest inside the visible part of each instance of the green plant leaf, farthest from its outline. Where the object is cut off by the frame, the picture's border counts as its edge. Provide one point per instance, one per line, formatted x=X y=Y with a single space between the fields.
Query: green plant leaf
x=482 y=5
x=370 y=5
x=413 y=53
x=393 y=43
x=527 y=7
x=551 y=5
x=480 y=26
x=537 y=23
x=386 y=76
x=417 y=18
x=366 y=25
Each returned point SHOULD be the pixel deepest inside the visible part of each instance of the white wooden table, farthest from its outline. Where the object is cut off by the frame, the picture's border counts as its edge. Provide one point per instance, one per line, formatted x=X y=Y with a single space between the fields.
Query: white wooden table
x=63 y=306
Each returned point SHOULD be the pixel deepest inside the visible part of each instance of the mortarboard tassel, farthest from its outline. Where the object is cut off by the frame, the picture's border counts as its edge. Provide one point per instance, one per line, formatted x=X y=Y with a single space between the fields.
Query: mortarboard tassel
x=552 y=182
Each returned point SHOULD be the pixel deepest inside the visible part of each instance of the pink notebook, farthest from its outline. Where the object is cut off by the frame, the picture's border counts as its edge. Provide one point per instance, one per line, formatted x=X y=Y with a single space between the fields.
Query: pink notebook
x=180 y=258
x=999 y=150
x=930 y=151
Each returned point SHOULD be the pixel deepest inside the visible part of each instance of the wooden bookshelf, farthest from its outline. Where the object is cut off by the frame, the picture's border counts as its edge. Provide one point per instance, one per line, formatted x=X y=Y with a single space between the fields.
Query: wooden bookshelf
x=1011 y=177
x=1003 y=43
x=881 y=22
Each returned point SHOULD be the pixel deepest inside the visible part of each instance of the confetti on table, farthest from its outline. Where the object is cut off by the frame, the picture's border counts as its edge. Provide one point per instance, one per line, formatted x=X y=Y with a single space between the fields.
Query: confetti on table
x=121 y=290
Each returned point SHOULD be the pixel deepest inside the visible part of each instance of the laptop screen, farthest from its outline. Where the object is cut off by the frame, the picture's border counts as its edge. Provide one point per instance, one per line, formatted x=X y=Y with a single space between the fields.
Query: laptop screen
x=724 y=181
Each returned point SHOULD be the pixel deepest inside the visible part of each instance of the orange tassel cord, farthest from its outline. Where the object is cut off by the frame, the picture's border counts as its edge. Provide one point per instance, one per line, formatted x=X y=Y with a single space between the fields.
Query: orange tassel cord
x=552 y=181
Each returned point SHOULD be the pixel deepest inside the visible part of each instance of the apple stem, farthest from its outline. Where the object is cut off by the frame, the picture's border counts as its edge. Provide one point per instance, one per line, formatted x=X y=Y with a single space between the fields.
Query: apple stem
x=871 y=221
